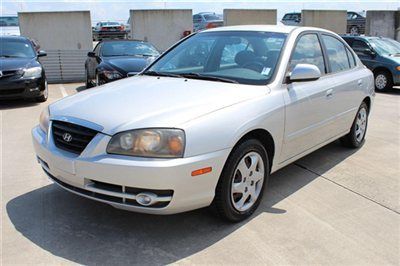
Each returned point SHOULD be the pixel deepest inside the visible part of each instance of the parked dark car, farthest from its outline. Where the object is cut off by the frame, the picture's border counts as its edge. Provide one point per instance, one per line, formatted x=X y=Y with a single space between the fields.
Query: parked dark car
x=355 y=23
x=21 y=74
x=206 y=20
x=116 y=59
x=109 y=30
x=291 y=19
x=381 y=56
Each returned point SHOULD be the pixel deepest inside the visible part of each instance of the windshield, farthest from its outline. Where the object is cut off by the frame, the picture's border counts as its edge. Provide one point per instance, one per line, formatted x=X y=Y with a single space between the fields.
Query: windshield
x=127 y=48
x=9 y=21
x=385 y=46
x=16 y=49
x=211 y=17
x=243 y=57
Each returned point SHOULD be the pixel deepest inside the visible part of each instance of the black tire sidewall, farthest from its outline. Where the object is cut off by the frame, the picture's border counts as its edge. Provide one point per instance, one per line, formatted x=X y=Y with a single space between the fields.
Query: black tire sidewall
x=223 y=199
x=353 y=137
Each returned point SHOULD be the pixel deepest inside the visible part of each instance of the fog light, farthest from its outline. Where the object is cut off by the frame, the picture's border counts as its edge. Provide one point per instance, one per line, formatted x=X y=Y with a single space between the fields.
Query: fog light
x=145 y=199
x=34 y=89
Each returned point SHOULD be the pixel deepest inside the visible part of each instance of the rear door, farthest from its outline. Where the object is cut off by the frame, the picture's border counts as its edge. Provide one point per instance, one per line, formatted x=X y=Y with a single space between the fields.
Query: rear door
x=347 y=83
x=307 y=102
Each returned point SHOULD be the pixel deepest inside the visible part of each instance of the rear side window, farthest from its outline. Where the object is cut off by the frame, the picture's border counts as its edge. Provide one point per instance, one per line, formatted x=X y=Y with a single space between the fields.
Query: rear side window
x=308 y=51
x=337 y=55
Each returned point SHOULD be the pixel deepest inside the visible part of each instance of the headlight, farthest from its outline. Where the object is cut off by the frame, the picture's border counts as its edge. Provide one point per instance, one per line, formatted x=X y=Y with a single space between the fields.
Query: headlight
x=112 y=74
x=33 y=72
x=44 y=120
x=156 y=143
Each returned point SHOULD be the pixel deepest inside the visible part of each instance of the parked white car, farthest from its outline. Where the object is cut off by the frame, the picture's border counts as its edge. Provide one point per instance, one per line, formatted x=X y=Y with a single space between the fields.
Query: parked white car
x=208 y=121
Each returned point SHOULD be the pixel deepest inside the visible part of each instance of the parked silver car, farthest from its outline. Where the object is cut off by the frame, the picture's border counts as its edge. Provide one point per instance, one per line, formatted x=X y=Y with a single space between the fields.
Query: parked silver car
x=208 y=121
x=206 y=20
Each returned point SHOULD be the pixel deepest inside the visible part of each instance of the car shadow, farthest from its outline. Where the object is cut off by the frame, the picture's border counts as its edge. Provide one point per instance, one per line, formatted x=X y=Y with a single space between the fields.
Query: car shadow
x=393 y=91
x=89 y=232
x=15 y=104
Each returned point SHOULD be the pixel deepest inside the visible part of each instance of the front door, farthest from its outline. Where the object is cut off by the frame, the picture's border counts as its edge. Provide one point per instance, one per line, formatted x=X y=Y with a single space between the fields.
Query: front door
x=307 y=103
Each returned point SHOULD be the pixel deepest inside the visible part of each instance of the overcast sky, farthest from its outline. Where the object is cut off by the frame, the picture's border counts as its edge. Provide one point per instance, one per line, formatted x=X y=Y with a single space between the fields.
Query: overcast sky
x=119 y=9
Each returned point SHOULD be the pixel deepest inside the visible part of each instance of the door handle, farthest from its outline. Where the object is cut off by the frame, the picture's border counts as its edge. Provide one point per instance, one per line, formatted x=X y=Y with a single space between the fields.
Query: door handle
x=329 y=93
x=360 y=82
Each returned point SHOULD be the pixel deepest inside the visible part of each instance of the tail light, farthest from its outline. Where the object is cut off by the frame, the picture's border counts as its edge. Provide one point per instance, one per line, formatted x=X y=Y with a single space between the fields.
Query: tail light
x=211 y=25
x=103 y=28
x=121 y=28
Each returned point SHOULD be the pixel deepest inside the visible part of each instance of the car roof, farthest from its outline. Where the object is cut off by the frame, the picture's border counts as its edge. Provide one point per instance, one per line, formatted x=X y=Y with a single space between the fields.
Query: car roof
x=13 y=37
x=270 y=28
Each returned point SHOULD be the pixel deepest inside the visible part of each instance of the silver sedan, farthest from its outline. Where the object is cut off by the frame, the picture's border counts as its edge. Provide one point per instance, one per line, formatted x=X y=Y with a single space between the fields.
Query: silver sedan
x=208 y=121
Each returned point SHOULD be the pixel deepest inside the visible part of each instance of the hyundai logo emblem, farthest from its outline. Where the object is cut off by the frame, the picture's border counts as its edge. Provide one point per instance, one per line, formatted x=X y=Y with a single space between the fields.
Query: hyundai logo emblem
x=67 y=137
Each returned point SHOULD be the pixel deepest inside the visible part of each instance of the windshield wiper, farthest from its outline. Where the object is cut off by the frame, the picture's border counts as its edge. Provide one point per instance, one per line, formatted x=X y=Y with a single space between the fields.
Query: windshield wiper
x=9 y=56
x=161 y=74
x=207 y=77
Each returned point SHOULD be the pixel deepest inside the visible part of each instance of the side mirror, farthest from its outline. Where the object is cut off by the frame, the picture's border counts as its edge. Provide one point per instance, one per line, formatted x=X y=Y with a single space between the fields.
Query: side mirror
x=369 y=52
x=41 y=53
x=305 y=72
x=91 y=54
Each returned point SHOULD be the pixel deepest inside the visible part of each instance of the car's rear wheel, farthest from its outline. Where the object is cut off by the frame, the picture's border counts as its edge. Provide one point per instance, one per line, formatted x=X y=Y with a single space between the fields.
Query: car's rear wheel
x=383 y=81
x=354 y=30
x=241 y=184
x=89 y=82
x=356 y=136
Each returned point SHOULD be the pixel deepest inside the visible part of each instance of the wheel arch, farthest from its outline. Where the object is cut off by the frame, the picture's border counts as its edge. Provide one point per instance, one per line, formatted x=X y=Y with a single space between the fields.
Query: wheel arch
x=382 y=69
x=265 y=138
x=367 y=101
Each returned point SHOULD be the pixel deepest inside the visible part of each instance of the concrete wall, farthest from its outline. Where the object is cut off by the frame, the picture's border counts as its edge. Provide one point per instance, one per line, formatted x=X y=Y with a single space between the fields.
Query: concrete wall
x=334 y=20
x=162 y=28
x=58 y=30
x=249 y=16
x=383 y=23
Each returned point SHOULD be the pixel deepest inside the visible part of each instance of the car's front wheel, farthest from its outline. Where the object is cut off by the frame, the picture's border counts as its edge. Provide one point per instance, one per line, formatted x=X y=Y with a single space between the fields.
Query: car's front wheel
x=45 y=94
x=241 y=184
x=355 y=138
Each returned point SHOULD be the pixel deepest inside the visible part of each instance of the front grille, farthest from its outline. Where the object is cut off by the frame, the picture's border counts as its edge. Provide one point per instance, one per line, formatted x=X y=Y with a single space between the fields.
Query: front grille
x=9 y=73
x=80 y=136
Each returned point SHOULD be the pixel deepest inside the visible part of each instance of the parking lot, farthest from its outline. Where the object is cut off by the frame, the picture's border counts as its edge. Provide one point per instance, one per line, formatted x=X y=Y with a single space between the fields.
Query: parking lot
x=335 y=206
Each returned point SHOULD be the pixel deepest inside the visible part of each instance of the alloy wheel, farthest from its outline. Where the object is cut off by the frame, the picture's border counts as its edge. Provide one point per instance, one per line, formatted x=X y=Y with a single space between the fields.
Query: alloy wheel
x=381 y=81
x=247 y=181
x=361 y=124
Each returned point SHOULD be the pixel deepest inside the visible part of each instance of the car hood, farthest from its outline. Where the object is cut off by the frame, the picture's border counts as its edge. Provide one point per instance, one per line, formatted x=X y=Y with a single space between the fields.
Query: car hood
x=129 y=64
x=145 y=101
x=394 y=58
x=15 y=63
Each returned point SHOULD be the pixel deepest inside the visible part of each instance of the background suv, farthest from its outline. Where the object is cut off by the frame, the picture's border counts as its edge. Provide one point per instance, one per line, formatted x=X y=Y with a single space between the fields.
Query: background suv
x=381 y=55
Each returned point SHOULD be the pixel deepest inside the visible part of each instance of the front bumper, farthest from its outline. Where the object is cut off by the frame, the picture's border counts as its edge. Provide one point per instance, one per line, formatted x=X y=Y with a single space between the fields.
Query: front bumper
x=14 y=88
x=116 y=180
x=396 y=80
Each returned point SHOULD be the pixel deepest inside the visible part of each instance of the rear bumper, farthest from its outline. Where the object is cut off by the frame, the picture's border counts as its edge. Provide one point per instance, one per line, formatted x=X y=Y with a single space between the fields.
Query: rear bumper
x=21 y=88
x=121 y=178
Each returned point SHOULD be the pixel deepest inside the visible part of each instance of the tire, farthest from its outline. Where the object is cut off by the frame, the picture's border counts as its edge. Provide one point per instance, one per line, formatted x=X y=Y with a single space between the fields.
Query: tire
x=355 y=138
x=88 y=82
x=45 y=95
x=251 y=182
x=383 y=81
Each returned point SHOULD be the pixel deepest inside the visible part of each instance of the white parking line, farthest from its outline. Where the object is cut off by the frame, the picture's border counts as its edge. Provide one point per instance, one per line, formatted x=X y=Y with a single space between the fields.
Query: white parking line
x=63 y=91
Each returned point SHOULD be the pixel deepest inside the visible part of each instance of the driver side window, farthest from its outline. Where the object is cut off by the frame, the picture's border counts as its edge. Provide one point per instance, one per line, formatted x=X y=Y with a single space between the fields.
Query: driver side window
x=308 y=51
